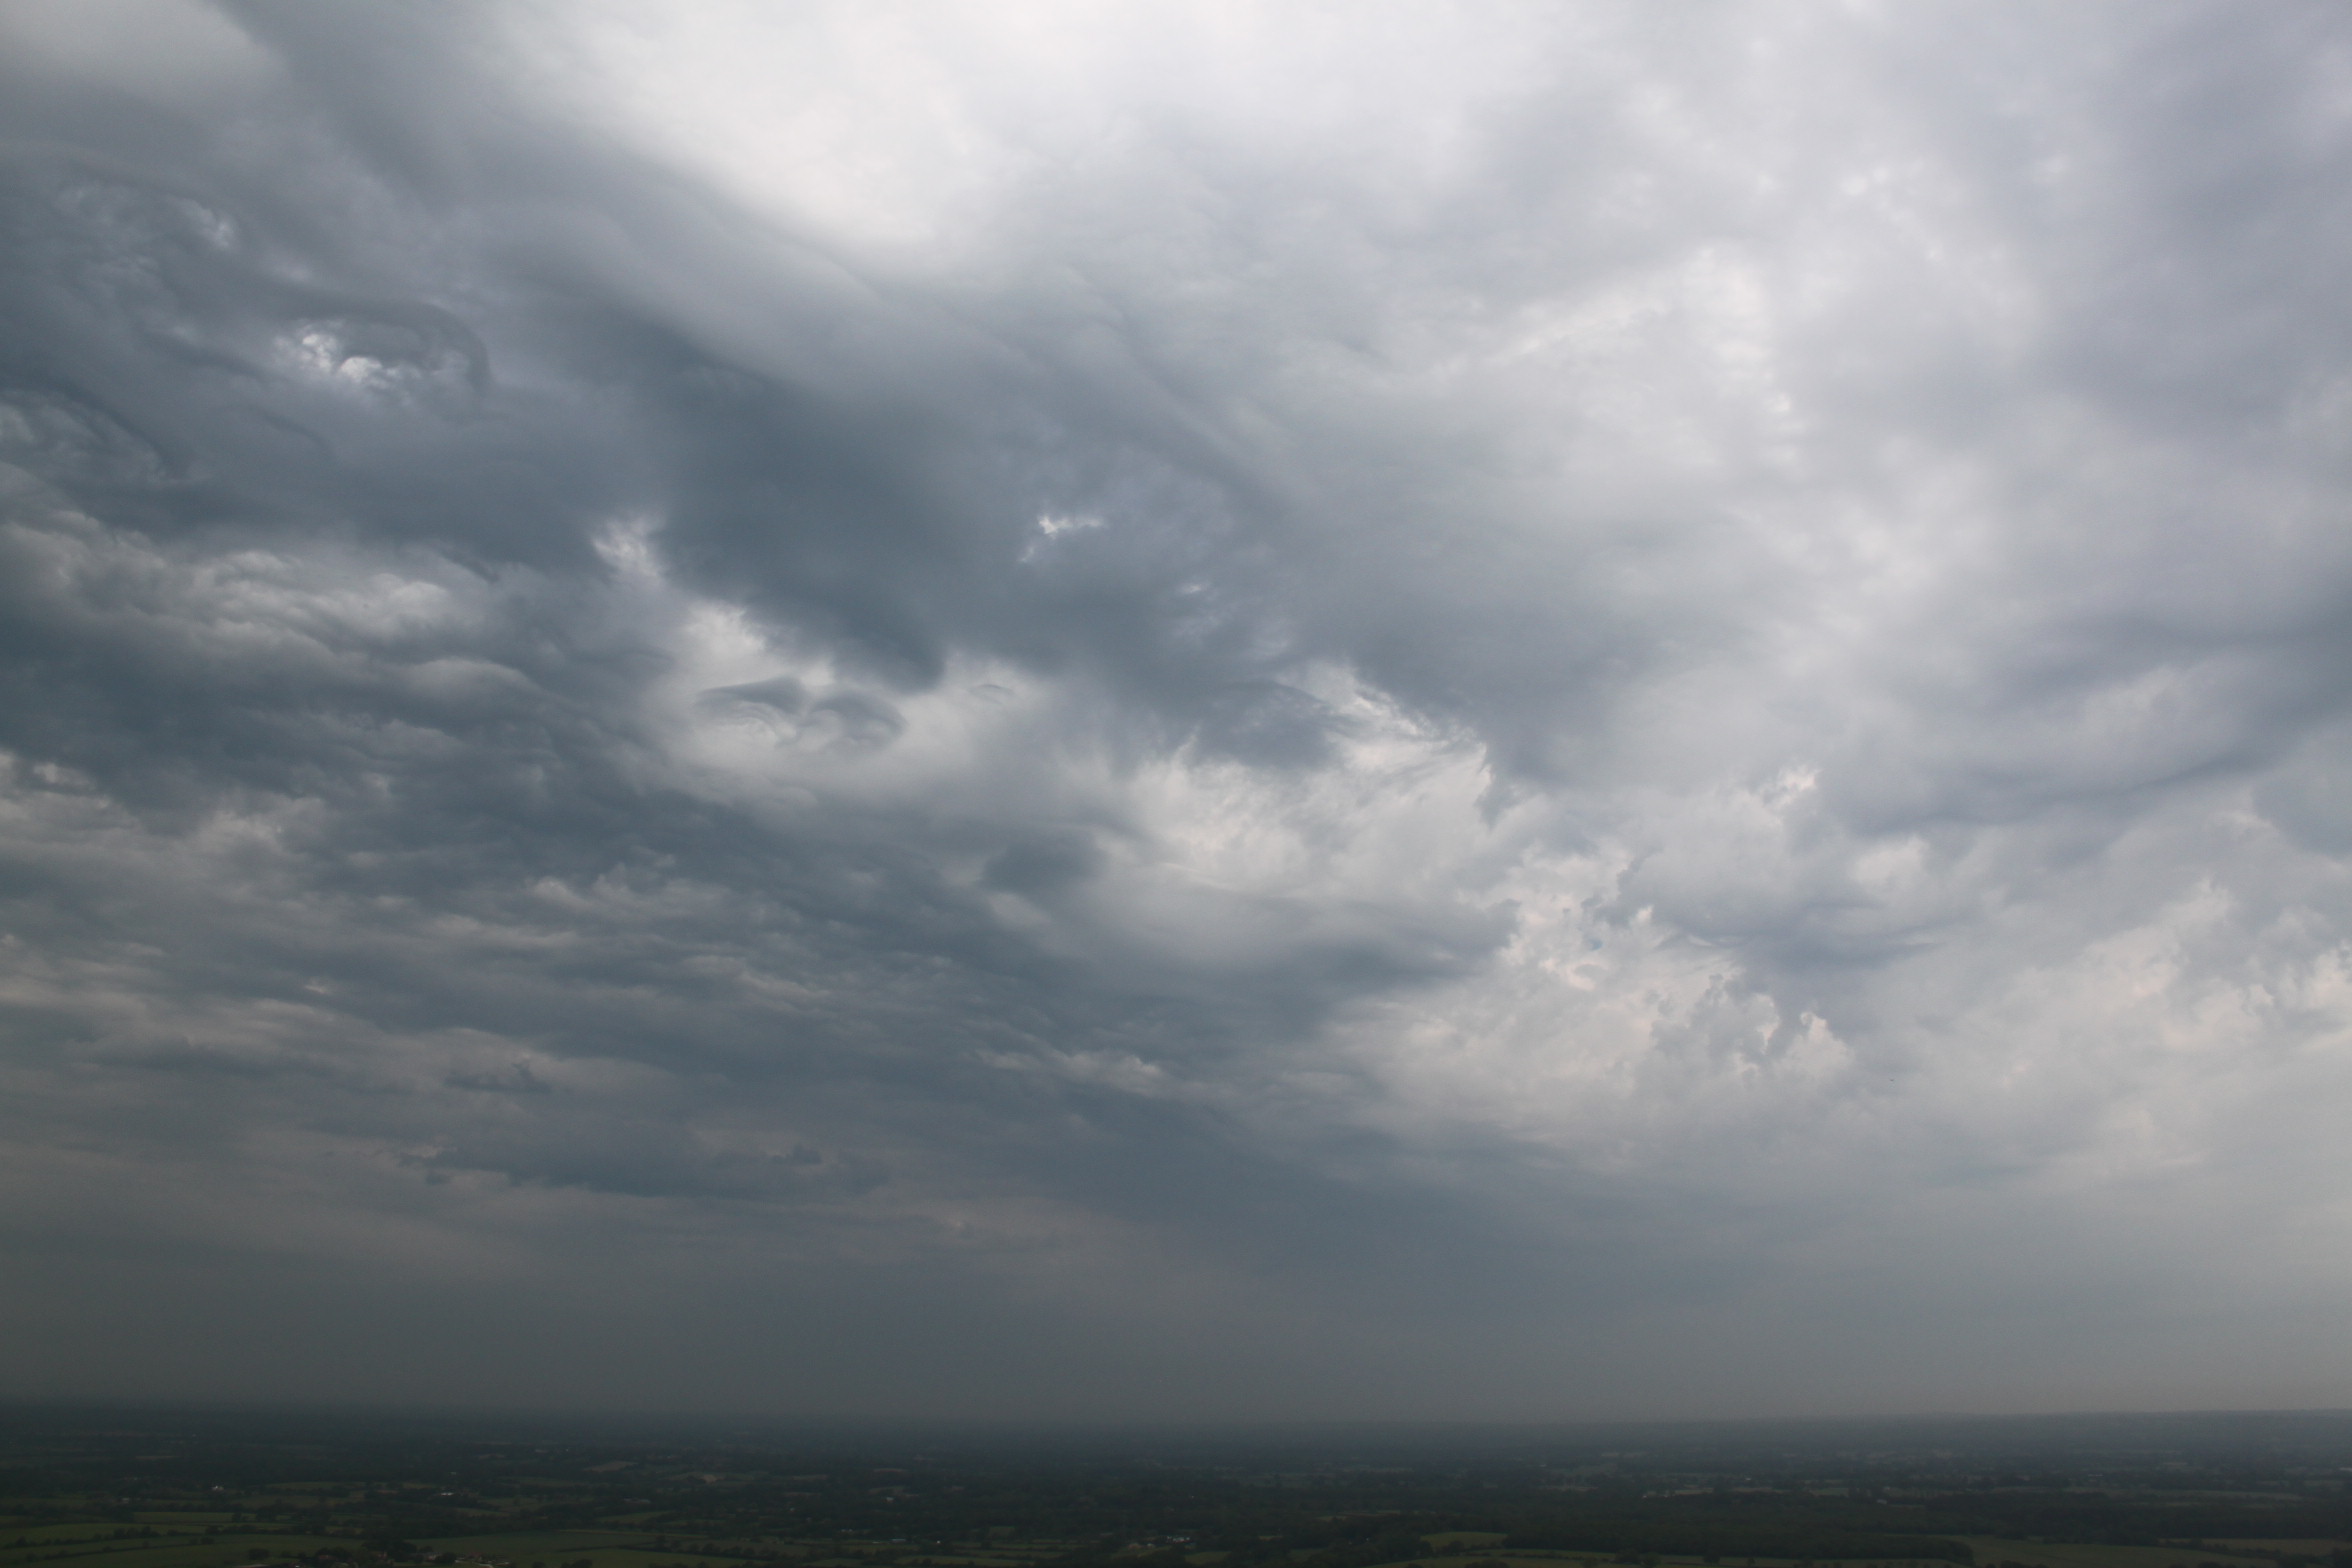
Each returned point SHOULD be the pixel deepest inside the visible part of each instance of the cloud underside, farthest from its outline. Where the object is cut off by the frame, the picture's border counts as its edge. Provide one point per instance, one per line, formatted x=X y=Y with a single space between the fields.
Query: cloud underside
x=1171 y=711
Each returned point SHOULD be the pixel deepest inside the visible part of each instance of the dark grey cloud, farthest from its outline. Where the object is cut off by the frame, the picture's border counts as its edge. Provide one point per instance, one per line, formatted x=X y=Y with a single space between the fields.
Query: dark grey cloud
x=936 y=710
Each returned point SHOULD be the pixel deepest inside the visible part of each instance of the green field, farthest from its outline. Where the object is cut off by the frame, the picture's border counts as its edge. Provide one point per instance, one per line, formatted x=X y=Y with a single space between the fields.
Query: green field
x=537 y=1543
x=1991 y=1551
x=1601 y=1559
x=221 y=1551
x=602 y=1557
x=604 y=1549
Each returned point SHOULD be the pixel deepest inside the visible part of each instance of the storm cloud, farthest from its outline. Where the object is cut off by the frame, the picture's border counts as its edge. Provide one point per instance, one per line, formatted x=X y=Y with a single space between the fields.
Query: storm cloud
x=1179 y=710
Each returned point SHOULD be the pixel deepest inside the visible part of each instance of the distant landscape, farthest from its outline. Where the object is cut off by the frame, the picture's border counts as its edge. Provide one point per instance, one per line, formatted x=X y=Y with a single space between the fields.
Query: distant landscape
x=124 y=1489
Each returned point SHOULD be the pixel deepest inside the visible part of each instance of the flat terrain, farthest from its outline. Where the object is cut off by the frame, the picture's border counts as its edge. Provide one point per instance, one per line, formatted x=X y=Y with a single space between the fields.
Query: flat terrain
x=1990 y=1553
x=175 y=1490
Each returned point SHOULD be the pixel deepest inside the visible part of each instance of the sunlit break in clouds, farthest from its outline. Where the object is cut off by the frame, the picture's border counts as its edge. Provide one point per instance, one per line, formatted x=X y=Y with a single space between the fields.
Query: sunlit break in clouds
x=1177 y=710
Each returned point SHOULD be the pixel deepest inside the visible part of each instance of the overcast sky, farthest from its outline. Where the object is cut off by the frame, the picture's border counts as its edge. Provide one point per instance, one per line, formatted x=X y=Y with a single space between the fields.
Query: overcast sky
x=1112 y=708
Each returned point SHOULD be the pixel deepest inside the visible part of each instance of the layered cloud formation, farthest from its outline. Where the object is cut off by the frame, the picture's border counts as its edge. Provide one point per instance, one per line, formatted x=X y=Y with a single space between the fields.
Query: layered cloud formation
x=1177 y=710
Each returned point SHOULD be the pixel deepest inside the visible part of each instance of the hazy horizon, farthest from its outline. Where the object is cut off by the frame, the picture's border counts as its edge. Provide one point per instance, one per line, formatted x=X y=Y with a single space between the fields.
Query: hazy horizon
x=2071 y=1438
x=1177 y=710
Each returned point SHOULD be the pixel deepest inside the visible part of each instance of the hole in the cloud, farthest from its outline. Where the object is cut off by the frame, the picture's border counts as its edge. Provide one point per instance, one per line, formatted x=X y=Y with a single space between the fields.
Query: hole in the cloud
x=419 y=359
x=781 y=693
x=1044 y=865
x=856 y=720
x=784 y=706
